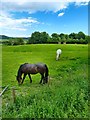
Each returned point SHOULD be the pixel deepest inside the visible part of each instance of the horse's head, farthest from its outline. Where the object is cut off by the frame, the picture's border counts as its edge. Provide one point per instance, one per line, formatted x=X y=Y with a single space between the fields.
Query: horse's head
x=19 y=79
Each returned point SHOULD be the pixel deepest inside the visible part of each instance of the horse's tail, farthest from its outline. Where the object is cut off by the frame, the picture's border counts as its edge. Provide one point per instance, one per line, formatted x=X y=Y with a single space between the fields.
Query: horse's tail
x=46 y=73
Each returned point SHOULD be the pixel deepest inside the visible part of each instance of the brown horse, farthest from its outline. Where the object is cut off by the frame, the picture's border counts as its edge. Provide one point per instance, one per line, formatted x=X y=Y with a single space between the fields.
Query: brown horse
x=28 y=69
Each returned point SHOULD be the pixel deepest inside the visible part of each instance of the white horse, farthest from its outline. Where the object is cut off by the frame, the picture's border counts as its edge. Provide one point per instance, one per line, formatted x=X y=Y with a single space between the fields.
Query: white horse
x=58 y=53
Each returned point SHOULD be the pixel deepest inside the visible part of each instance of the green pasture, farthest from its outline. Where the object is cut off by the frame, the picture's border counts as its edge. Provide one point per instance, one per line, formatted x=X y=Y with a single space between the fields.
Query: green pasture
x=66 y=94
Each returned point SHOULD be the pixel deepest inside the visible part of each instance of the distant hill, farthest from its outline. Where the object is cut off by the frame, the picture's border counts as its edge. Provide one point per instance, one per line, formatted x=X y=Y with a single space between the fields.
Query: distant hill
x=6 y=37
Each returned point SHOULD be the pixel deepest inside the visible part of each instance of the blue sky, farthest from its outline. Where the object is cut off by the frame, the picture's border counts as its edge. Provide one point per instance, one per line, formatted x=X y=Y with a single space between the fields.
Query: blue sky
x=21 y=19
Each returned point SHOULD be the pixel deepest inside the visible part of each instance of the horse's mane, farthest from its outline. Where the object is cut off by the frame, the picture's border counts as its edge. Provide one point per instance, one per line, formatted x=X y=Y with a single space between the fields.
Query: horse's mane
x=20 y=67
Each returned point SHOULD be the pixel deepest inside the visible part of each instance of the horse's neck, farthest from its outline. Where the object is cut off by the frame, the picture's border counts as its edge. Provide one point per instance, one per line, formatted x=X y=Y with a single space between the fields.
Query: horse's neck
x=19 y=73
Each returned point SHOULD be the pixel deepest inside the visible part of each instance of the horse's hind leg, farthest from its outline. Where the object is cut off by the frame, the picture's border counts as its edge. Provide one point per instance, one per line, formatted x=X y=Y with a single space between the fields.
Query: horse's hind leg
x=42 y=77
x=30 y=78
x=24 y=77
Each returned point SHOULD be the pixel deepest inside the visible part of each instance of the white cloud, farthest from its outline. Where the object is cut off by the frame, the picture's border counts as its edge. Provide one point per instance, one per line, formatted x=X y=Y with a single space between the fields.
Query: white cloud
x=24 y=1
x=7 y=22
x=32 y=6
x=38 y=5
x=60 y=14
x=81 y=3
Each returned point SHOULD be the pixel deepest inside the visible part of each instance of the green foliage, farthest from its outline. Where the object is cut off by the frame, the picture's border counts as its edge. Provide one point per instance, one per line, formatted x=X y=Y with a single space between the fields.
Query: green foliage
x=20 y=41
x=81 y=35
x=66 y=95
x=13 y=41
x=38 y=37
x=43 y=37
x=73 y=36
x=55 y=37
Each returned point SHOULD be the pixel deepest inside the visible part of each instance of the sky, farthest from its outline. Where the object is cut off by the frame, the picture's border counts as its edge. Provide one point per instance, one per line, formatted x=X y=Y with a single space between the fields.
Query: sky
x=22 y=18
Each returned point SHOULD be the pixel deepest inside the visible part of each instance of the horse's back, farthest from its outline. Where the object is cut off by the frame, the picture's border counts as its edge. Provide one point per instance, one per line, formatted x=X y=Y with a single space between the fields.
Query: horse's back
x=33 y=68
x=40 y=64
x=41 y=67
x=59 y=51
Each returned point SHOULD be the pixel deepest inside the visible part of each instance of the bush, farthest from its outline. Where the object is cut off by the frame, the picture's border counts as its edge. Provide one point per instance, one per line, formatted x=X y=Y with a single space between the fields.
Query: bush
x=18 y=41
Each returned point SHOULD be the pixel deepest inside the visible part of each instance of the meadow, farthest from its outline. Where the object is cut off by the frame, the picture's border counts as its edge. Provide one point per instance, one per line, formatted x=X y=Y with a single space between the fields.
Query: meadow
x=66 y=94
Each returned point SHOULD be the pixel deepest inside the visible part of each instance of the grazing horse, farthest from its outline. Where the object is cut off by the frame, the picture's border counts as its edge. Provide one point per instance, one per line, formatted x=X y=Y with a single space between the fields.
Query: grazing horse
x=28 y=69
x=58 y=53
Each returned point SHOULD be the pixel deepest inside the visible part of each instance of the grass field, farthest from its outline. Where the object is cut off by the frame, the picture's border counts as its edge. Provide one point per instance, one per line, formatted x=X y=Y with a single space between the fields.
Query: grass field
x=66 y=94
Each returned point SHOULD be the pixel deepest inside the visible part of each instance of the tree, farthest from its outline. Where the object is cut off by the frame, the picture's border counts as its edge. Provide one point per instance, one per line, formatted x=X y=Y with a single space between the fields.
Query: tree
x=61 y=36
x=66 y=36
x=35 y=37
x=11 y=42
x=87 y=39
x=55 y=37
x=73 y=35
x=18 y=41
x=80 y=35
x=44 y=37
x=38 y=37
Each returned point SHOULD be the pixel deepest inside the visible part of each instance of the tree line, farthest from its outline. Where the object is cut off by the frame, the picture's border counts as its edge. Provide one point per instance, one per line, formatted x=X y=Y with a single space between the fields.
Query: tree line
x=43 y=37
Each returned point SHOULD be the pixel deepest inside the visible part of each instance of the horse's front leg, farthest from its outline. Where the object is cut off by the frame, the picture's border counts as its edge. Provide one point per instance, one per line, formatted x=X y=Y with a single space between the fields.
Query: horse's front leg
x=24 y=77
x=42 y=77
x=30 y=78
